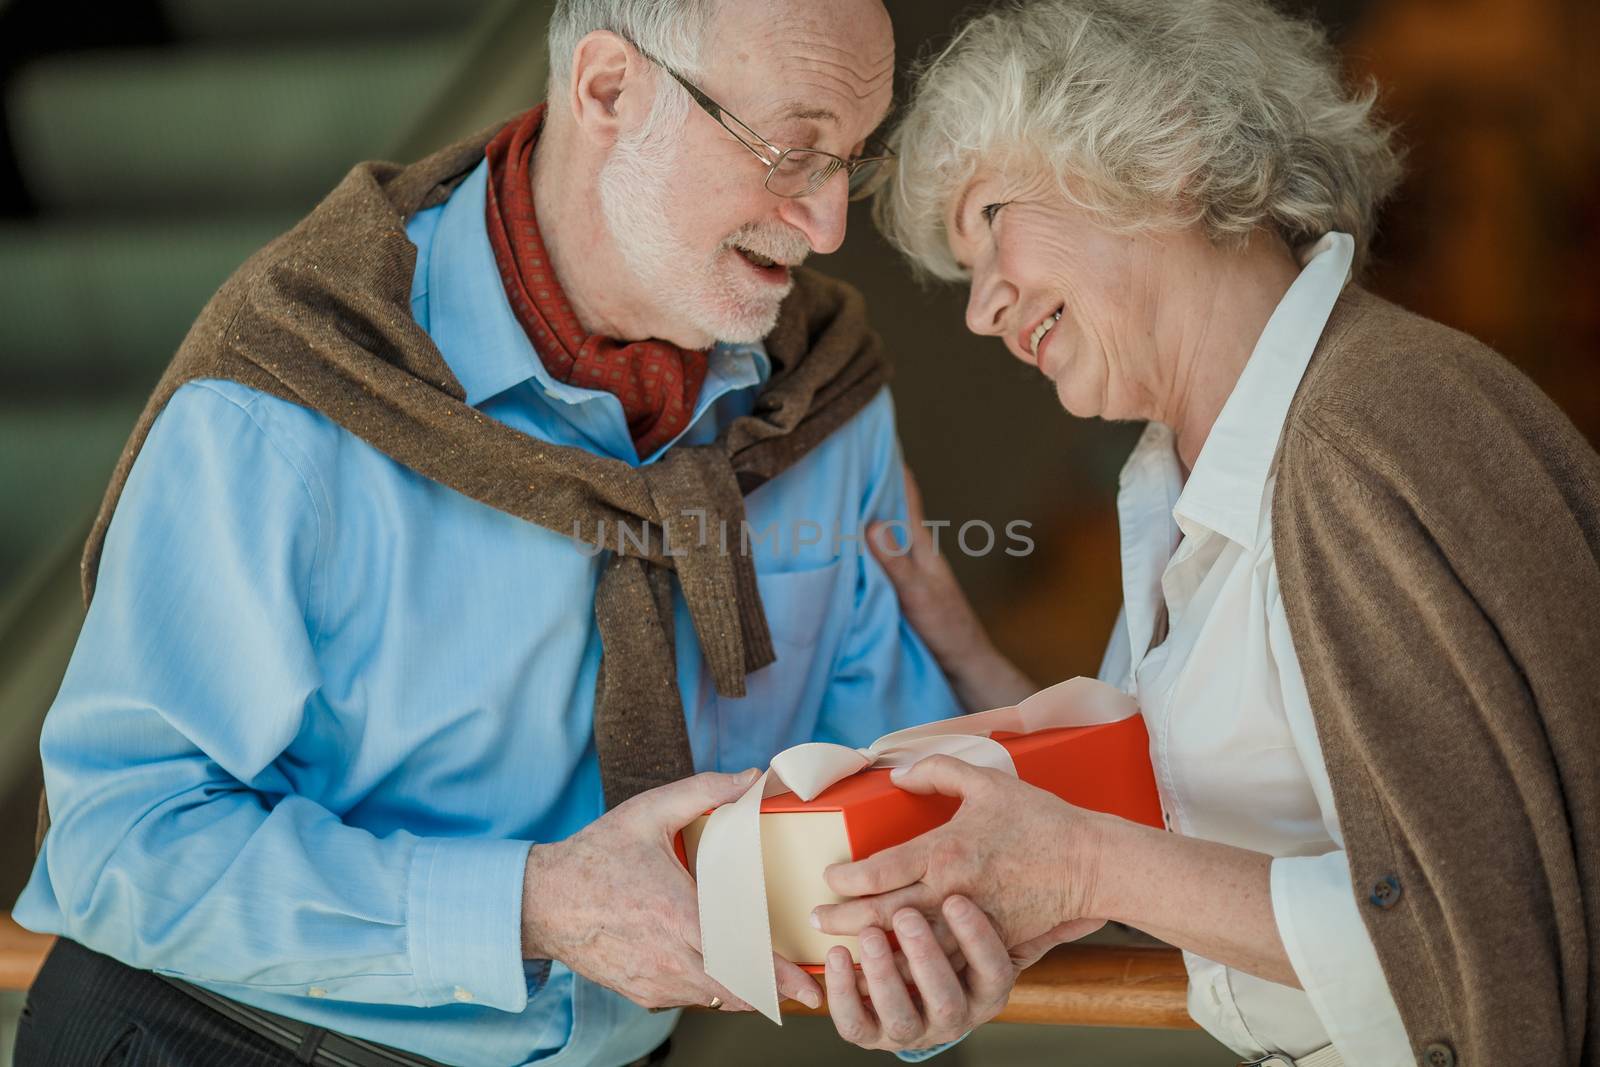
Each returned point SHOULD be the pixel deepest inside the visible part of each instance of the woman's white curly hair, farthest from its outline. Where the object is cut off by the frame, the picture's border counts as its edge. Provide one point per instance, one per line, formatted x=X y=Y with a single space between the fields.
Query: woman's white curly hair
x=1153 y=114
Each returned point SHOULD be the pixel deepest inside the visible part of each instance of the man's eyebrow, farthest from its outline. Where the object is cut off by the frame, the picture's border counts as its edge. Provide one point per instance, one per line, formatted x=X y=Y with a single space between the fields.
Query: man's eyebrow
x=809 y=114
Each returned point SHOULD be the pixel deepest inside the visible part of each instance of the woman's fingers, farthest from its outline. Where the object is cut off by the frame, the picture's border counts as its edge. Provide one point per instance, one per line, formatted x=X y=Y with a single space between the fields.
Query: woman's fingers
x=945 y=775
x=944 y=1001
x=990 y=972
x=899 y=1021
x=850 y=1016
x=851 y=916
x=881 y=872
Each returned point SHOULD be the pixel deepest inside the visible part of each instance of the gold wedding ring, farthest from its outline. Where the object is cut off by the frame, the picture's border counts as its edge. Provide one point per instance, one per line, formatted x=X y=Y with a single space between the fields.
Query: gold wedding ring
x=716 y=1002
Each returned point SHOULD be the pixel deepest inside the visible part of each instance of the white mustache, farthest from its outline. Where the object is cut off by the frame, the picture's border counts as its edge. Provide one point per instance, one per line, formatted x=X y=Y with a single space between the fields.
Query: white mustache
x=781 y=244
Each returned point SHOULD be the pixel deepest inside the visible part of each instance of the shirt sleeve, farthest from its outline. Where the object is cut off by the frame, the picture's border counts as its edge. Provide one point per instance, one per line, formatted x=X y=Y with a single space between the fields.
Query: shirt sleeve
x=884 y=678
x=919 y=1055
x=1314 y=904
x=179 y=842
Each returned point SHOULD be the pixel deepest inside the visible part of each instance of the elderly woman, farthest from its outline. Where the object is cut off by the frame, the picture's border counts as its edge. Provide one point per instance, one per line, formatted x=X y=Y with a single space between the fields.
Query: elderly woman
x=1359 y=555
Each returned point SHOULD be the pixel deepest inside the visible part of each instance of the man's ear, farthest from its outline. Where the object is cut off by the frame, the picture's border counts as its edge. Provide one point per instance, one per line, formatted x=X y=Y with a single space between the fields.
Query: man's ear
x=609 y=92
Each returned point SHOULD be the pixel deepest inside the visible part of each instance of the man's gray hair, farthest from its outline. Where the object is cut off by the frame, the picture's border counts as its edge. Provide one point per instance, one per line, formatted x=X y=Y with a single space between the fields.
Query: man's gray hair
x=1152 y=114
x=673 y=31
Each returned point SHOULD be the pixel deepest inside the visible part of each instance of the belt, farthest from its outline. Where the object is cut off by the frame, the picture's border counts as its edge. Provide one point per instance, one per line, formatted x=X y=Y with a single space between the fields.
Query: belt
x=310 y=1044
x=325 y=1048
x=1328 y=1056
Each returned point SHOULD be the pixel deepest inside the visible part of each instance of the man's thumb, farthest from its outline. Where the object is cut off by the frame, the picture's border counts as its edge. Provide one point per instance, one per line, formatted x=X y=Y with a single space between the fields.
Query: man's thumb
x=683 y=801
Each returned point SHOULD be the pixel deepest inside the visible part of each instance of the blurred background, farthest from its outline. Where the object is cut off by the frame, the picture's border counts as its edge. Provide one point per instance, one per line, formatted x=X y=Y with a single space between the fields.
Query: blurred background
x=148 y=146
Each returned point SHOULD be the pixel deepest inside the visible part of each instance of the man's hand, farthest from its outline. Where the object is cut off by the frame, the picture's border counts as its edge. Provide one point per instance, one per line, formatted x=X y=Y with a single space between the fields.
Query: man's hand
x=947 y=1004
x=613 y=903
x=1028 y=859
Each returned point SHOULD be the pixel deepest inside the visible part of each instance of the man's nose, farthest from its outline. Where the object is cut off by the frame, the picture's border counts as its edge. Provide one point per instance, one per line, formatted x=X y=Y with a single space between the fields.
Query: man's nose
x=822 y=215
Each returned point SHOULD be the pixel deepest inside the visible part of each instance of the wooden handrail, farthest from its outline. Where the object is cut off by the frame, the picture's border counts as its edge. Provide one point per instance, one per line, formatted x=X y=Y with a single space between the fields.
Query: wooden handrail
x=1104 y=985
x=1074 y=985
x=1094 y=985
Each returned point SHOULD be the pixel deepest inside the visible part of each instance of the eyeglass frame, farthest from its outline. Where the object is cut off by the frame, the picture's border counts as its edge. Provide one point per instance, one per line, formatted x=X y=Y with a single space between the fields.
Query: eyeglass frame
x=722 y=116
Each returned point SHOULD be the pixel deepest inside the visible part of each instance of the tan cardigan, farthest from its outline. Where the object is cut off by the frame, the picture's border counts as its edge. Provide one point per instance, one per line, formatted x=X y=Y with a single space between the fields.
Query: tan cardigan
x=1437 y=531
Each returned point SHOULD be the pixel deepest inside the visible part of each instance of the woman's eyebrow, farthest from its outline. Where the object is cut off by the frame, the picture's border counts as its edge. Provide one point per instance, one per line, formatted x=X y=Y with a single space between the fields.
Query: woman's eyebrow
x=961 y=212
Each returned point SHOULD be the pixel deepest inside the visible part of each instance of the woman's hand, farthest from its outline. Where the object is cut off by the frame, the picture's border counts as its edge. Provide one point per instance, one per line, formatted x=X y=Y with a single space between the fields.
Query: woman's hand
x=1025 y=857
x=1047 y=872
x=947 y=1003
x=932 y=601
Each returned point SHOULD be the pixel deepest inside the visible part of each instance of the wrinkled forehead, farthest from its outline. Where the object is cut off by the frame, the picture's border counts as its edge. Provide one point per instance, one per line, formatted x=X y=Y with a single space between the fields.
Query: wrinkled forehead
x=826 y=61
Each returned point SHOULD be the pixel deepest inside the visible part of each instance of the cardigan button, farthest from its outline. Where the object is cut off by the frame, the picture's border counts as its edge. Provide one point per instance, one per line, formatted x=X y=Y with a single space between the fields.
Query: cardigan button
x=1439 y=1054
x=1386 y=892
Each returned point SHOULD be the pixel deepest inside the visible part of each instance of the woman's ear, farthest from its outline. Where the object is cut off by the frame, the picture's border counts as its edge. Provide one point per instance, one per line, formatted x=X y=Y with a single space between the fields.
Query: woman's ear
x=608 y=92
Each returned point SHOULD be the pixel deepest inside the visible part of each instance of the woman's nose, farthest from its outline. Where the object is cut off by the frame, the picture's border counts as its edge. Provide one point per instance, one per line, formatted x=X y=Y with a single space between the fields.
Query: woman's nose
x=987 y=302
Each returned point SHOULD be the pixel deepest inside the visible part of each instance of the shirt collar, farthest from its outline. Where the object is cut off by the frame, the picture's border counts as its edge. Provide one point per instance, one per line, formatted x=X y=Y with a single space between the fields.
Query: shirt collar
x=486 y=347
x=1225 y=490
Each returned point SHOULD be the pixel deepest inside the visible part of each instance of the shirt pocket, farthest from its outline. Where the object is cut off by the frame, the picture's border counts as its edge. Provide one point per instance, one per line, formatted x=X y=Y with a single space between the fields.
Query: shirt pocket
x=806 y=613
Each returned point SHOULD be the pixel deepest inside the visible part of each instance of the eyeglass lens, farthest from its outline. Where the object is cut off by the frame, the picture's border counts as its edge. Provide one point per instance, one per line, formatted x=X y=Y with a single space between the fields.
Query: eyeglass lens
x=800 y=173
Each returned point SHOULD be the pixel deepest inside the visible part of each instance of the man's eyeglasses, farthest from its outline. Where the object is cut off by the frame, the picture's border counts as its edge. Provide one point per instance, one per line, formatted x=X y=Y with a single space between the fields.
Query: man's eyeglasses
x=792 y=172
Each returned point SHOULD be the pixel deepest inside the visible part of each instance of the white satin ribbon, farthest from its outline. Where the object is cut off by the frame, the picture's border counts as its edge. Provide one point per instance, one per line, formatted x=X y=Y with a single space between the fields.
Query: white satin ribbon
x=736 y=939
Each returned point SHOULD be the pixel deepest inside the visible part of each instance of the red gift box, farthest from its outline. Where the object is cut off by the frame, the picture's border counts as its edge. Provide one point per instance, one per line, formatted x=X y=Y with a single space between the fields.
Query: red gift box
x=1104 y=768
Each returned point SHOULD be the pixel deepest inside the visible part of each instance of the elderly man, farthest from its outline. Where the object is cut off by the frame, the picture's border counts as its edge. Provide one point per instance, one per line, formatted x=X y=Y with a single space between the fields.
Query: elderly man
x=476 y=514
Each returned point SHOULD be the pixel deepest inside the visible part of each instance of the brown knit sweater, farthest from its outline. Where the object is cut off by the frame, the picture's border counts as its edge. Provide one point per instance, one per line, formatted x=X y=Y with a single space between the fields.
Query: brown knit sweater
x=321 y=317
x=1437 y=531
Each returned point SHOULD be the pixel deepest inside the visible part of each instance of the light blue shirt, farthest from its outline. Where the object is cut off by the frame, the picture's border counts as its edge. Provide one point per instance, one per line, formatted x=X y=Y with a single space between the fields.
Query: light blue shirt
x=321 y=706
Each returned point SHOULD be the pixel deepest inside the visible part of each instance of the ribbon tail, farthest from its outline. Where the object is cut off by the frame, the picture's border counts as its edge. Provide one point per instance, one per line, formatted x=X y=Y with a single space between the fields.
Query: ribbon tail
x=735 y=935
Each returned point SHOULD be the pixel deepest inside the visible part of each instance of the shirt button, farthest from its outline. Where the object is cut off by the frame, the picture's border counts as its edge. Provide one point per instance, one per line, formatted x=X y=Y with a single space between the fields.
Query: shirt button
x=317 y=991
x=462 y=995
x=1439 y=1054
x=1386 y=892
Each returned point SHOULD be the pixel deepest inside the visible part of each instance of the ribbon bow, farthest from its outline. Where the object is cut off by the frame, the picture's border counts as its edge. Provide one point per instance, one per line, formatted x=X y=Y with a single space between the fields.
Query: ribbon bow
x=736 y=938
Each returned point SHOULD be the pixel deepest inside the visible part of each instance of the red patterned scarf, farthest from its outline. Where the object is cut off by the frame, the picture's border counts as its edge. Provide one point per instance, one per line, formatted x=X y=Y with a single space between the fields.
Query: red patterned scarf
x=657 y=382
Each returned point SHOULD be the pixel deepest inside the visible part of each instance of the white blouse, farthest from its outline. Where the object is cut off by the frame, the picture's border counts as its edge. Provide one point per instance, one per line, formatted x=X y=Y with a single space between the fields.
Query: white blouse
x=1231 y=732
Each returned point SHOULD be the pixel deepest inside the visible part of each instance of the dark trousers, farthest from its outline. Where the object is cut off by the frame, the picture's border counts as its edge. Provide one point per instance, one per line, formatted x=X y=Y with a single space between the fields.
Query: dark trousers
x=89 y=1010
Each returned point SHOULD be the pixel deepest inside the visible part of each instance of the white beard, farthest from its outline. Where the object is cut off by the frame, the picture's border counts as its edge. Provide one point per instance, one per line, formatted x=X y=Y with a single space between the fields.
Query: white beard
x=715 y=296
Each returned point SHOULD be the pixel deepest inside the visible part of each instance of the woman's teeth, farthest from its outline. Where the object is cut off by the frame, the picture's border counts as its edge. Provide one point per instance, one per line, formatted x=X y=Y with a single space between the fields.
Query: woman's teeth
x=1042 y=329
